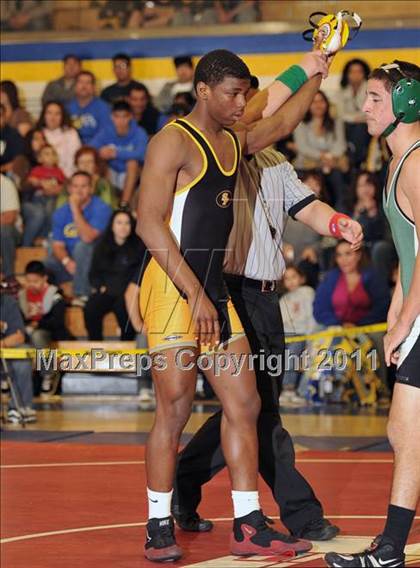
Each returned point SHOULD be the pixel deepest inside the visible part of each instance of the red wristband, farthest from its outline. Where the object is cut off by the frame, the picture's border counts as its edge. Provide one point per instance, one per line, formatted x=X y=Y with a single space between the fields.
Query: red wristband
x=333 y=224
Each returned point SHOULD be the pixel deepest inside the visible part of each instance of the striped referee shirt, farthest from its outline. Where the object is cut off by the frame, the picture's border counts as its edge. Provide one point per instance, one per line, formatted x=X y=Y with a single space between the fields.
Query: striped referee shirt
x=267 y=189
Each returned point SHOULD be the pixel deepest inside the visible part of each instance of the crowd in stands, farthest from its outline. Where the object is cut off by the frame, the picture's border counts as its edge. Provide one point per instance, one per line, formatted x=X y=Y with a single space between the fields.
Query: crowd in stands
x=38 y=15
x=69 y=181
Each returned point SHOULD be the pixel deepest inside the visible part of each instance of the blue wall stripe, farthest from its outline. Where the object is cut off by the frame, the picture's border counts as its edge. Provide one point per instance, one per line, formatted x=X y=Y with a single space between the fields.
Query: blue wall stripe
x=164 y=47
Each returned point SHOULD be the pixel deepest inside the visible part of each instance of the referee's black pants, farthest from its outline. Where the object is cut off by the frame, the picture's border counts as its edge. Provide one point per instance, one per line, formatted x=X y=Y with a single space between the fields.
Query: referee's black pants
x=202 y=458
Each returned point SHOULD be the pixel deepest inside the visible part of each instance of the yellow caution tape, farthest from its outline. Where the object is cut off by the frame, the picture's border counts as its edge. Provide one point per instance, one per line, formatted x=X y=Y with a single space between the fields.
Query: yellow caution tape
x=30 y=353
x=336 y=331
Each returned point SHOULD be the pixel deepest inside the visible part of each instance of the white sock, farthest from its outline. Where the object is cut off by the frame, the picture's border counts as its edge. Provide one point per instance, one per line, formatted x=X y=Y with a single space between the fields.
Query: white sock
x=244 y=502
x=159 y=504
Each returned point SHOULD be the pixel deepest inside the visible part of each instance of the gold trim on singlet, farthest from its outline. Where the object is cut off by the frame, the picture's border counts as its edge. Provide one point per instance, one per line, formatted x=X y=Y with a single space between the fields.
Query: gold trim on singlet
x=235 y=161
x=203 y=155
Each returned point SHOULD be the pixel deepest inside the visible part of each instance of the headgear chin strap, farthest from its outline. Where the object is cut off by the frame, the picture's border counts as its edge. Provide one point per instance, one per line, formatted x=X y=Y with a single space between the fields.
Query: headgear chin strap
x=405 y=97
x=333 y=31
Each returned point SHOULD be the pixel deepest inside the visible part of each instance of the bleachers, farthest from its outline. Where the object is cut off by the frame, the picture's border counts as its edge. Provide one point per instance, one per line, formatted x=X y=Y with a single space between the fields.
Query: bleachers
x=291 y=11
x=25 y=255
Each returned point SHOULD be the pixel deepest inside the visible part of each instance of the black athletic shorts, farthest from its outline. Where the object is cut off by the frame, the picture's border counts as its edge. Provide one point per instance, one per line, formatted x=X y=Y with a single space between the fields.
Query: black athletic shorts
x=408 y=373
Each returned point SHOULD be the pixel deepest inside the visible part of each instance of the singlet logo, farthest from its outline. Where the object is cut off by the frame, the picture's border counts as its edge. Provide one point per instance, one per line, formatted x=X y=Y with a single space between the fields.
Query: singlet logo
x=224 y=198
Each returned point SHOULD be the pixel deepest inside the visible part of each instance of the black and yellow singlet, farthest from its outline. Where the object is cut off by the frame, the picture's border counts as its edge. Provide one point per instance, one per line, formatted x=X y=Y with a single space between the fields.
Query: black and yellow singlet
x=200 y=221
x=202 y=214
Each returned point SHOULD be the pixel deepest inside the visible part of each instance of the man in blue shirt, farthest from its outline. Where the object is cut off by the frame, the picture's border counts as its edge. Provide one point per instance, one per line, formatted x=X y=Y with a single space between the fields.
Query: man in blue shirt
x=122 y=144
x=76 y=226
x=88 y=113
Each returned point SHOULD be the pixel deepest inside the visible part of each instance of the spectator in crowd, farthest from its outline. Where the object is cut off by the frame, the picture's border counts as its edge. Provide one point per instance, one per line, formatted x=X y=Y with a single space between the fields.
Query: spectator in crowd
x=144 y=112
x=56 y=126
x=43 y=308
x=115 y=259
x=303 y=246
x=87 y=160
x=11 y=144
x=12 y=334
x=32 y=144
x=184 y=98
x=182 y=105
x=321 y=144
x=236 y=11
x=123 y=145
x=113 y=13
x=365 y=206
x=75 y=227
x=301 y=236
x=33 y=15
x=62 y=89
x=199 y=12
x=16 y=115
x=349 y=108
x=298 y=319
x=88 y=112
x=352 y=293
x=125 y=82
x=184 y=69
x=46 y=181
x=9 y=235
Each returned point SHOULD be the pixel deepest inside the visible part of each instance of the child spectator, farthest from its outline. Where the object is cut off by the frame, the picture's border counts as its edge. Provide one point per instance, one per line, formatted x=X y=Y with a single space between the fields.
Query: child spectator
x=87 y=160
x=144 y=113
x=17 y=116
x=89 y=114
x=62 y=89
x=12 y=334
x=349 y=108
x=75 y=227
x=298 y=319
x=123 y=145
x=47 y=181
x=32 y=144
x=115 y=259
x=121 y=64
x=43 y=309
x=56 y=126
x=321 y=144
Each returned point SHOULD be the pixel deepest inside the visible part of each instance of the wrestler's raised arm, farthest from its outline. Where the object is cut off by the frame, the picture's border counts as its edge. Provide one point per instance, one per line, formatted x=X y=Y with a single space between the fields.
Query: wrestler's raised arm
x=269 y=130
x=266 y=102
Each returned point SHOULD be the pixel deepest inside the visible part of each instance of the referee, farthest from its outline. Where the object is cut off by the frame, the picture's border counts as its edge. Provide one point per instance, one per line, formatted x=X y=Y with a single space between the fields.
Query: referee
x=267 y=190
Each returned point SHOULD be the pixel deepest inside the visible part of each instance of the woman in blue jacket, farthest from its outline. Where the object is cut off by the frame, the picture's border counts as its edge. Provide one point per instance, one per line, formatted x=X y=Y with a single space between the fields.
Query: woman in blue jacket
x=353 y=293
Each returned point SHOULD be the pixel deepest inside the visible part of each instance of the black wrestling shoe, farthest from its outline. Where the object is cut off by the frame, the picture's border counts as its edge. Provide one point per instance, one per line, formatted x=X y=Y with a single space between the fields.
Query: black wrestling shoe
x=318 y=529
x=160 y=541
x=381 y=552
x=192 y=522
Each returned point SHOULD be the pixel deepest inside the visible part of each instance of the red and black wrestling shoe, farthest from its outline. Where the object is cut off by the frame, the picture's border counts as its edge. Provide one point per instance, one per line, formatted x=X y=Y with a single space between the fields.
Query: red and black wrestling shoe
x=160 y=541
x=252 y=535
